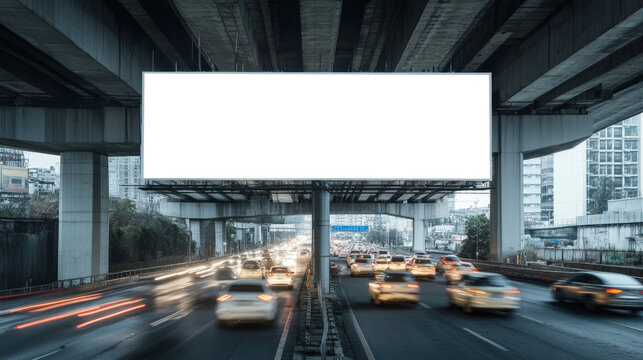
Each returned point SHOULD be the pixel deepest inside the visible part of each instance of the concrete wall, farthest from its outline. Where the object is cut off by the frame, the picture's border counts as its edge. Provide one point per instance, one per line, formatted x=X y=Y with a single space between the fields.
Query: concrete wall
x=28 y=252
x=613 y=236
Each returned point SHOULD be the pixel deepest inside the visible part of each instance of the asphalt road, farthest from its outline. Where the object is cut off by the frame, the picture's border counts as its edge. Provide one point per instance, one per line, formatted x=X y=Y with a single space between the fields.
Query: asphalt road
x=177 y=320
x=541 y=329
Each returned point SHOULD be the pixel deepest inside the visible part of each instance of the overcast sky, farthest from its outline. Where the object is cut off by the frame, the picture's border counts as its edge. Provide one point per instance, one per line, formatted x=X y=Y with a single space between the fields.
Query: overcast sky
x=39 y=160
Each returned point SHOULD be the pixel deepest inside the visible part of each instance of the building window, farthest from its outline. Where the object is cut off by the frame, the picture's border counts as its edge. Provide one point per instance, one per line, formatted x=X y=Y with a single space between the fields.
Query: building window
x=603 y=144
x=618 y=145
x=632 y=193
x=618 y=132
x=618 y=169
x=609 y=157
x=593 y=169
x=631 y=169
x=631 y=181
x=602 y=133
x=609 y=132
x=602 y=157
x=618 y=181
x=631 y=156
x=618 y=157
x=593 y=156
x=631 y=131
x=592 y=144
x=631 y=144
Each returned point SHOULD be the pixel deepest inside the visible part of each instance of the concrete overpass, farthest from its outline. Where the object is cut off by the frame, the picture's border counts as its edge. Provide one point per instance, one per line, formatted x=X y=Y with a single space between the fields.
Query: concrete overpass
x=70 y=77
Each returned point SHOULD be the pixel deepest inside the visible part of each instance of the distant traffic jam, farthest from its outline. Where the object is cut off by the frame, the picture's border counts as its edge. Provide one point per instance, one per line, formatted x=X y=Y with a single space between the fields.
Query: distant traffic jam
x=395 y=280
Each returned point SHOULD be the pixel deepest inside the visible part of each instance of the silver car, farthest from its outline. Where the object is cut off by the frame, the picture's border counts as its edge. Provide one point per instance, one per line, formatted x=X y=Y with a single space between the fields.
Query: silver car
x=601 y=289
x=246 y=301
x=453 y=274
x=481 y=290
x=363 y=266
x=394 y=286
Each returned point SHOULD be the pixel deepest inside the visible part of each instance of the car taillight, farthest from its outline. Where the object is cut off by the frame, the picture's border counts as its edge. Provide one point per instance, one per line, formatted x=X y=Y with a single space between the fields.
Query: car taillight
x=265 y=297
x=224 y=297
x=453 y=269
x=513 y=291
x=288 y=274
x=477 y=291
x=613 y=291
x=413 y=285
x=474 y=269
x=385 y=285
x=271 y=273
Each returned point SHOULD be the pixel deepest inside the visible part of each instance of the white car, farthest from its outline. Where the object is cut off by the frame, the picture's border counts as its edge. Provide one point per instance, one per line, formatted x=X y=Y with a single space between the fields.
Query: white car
x=251 y=269
x=362 y=266
x=481 y=290
x=394 y=286
x=422 y=268
x=397 y=263
x=279 y=276
x=246 y=301
x=453 y=274
x=380 y=264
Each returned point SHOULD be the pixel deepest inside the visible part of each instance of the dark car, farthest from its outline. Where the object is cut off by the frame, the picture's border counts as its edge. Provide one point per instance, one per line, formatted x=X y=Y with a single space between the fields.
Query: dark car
x=601 y=290
x=334 y=269
x=224 y=273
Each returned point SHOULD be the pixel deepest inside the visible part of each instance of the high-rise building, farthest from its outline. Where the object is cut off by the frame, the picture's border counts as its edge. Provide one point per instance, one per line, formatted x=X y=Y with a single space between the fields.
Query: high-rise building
x=12 y=157
x=531 y=189
x=125 y=171
x=614 y=153
x=547 y=187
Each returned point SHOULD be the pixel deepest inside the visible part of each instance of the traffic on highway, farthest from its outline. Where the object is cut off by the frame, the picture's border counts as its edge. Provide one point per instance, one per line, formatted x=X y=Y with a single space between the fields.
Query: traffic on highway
x=232 y=307
x=396 y=304
x=440 y=306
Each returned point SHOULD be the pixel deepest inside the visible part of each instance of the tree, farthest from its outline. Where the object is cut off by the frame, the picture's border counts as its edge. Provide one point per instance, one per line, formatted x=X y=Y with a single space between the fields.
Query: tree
x=478 y=229
x=604 y=191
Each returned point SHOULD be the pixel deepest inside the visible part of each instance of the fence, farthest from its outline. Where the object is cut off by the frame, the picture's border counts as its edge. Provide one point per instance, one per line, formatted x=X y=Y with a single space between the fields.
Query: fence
x=97 y=280
x=617 y=257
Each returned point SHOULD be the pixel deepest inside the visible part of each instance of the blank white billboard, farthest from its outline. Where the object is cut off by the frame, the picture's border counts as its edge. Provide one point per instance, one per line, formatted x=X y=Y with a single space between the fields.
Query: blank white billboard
x=305 y=126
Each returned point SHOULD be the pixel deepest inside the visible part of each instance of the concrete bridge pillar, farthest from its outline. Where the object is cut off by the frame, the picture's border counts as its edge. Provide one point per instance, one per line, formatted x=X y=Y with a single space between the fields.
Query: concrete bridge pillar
x=83 y=232
x=419 y=229
x=219 y=237
x=321 y=238
x=195 y=235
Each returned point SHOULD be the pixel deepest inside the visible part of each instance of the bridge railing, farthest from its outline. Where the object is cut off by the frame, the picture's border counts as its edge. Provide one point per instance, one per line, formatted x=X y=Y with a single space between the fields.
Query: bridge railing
x=98 y=280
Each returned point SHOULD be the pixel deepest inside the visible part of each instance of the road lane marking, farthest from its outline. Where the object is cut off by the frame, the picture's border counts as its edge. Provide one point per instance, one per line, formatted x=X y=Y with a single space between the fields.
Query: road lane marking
x=425 y=306
x=358 y=330
x=532 y=319
x=177 y=315
x=47 y=354
x=626 y=326
x=284 y=337
x=485 y=339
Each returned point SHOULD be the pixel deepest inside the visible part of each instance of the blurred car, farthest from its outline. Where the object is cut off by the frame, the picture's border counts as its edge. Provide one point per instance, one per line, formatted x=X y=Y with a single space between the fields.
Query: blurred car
x=408 y=260
x=224 y=273
x=394 y=286
x=446 y=262
x=422 y=268
x=334 y=269
x=453 y=274
x=380 y=264
x=601 y=290
x=362 y=266
x=267 y=263
x=304 y=254
x=382 y=252
x=397 y=263
x=343 y=254
x=247 y=301
x=350 y=259
x=481 y=290
x=251 y=269
x=279 y=276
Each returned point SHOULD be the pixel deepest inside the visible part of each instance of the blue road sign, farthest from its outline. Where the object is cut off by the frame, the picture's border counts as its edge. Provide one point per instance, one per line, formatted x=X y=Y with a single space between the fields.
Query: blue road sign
x=349 y=228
